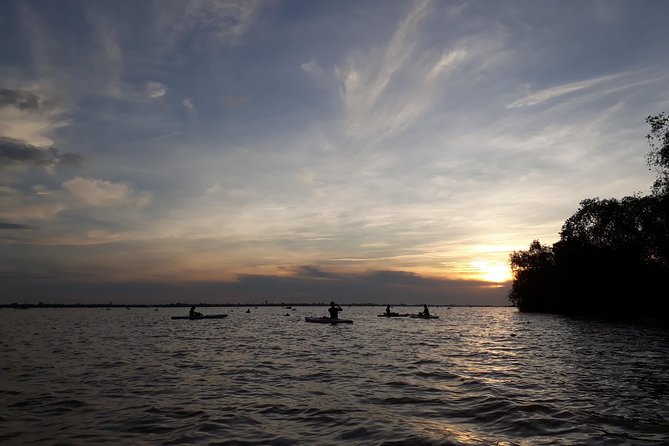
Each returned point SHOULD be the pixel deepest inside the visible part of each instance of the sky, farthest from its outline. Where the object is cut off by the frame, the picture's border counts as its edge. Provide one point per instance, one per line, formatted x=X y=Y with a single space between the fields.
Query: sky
x=307 y=151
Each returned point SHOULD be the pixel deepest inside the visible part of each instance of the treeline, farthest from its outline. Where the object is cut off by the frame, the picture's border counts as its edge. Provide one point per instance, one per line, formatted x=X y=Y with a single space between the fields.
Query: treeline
x=612 y=259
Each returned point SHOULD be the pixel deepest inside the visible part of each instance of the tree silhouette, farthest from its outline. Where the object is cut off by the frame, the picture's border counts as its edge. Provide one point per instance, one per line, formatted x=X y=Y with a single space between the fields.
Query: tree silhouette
x=612 y=258
x=658 y=157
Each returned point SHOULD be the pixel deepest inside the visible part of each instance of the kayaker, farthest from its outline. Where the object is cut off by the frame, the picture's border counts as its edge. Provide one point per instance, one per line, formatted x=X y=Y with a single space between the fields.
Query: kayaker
x=334 y=310
x=425 y=313
x=193 y=313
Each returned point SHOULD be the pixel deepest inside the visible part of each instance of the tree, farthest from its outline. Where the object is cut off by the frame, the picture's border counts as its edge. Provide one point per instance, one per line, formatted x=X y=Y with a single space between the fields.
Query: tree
x=531 y=271
x=612 y=258
x=658 y=157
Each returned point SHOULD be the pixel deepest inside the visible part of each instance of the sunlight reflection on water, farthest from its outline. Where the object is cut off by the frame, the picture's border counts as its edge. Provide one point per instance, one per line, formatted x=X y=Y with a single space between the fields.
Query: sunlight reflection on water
x=474 y=376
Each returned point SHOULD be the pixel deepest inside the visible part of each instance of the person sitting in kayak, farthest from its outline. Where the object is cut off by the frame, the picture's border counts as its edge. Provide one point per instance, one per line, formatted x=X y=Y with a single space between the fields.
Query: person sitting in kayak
x=388 y=313
x=425 y=312
x=193 y=313
x=334 y=310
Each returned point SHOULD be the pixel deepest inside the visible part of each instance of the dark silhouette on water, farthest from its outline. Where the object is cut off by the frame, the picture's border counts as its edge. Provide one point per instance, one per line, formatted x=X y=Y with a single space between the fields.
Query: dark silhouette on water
x=193 y=313
x=334 y=310
x=332 y=319
x=612 y=258
x=389 y=313
x=425 y=312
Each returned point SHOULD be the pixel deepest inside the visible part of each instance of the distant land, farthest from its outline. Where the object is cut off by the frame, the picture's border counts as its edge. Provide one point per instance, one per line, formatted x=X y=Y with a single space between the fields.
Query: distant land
x=25 y=306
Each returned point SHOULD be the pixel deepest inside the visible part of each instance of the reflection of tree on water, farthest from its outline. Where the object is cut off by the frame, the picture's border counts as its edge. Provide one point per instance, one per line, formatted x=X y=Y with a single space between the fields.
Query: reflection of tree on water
x=612 y=256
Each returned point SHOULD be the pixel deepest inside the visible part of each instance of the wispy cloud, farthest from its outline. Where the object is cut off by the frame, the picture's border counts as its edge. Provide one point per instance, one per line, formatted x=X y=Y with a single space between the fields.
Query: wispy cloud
x=557 y=91
x=155 y=90
x=26 y=116
x=211 y=23
x=383 y=94
x=18 y=206
x=188 y=105
x=96 y=192
x=313 y=68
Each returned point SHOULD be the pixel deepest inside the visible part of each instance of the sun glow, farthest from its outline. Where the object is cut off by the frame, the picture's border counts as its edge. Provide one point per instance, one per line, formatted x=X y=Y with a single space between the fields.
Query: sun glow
x=492 y=271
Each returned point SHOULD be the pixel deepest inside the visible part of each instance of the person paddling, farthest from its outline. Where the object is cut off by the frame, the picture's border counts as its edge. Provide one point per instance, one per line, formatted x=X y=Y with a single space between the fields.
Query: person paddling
x=425 y=312
x=334 y=310
x=193 y=313
x=388 y=313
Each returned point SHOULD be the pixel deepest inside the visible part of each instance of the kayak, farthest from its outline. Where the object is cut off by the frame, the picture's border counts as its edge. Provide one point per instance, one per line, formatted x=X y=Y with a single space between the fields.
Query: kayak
x=420 y=316
x=206 y=316
x=393 y=315
x=327 y=320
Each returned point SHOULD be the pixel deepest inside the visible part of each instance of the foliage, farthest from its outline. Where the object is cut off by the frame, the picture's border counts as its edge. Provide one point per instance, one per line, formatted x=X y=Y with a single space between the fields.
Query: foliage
x=532 y=273
x=612 y=258
x=658 y=138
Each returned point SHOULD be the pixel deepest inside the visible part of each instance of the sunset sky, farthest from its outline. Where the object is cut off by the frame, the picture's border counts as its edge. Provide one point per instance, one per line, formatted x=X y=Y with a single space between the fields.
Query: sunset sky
x=304 y=151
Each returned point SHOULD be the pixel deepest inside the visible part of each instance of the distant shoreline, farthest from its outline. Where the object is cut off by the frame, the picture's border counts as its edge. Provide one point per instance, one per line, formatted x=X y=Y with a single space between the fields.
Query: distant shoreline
x=206 y=305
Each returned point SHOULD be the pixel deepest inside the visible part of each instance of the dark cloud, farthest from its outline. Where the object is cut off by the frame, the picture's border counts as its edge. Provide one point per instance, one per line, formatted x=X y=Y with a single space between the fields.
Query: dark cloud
x=314 y=272
x=370 y=287
x=14 y=151
x=22 y=100
x=4 y=225
x=309 y=286
x=400 y=287
x=397 y=278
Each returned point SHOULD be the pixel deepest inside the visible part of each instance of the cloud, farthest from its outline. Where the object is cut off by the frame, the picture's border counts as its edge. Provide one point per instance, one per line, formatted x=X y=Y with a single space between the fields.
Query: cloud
x=311 y=284
x=313 y=69
x=327 y=80
x=188 y=104
x=102 y=193
x=13 y=151
x=559 y=90
x=26 y=116
x=78 y=281
x=208 y=23
x=20 y=206
x=23 y=100
x=314 y=272
x=87 y=198
x=155 y=90
x=214 y=188
x=384 y=94
x=5 y=225
x=306 y=176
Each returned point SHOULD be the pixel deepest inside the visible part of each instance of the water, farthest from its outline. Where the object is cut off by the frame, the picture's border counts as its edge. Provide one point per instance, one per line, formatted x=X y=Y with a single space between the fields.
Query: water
x=476 y=376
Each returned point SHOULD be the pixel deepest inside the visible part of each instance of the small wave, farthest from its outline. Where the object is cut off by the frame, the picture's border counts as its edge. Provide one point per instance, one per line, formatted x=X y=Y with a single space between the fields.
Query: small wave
x=70 y=404
x=174 y=412
x=398 y=384
x=9 y=435
x=558 y=382
x=409 y=401
x=426 y=361
x=438 y=374
x=210 y=427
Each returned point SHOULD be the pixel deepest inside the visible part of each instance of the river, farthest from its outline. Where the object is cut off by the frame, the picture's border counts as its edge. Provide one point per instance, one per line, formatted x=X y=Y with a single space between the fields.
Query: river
x=475 y=376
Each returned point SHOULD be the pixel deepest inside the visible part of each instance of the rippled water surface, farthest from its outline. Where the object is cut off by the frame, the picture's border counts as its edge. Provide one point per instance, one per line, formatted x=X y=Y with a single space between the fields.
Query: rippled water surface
x=476 y=376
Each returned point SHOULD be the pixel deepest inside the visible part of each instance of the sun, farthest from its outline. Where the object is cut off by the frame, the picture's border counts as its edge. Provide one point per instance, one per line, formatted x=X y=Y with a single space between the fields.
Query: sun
x=496 y=272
